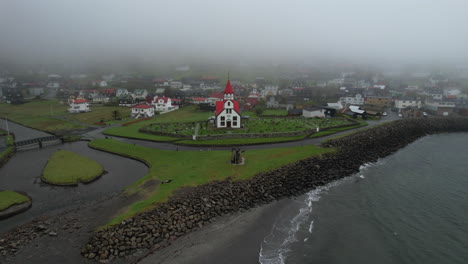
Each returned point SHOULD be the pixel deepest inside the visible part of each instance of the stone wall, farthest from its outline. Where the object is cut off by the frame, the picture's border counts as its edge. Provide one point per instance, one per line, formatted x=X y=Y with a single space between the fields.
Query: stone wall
x=203 y=204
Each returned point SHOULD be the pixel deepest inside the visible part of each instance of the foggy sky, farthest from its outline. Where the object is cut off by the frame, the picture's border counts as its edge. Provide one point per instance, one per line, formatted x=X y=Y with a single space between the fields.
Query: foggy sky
x=363 y=30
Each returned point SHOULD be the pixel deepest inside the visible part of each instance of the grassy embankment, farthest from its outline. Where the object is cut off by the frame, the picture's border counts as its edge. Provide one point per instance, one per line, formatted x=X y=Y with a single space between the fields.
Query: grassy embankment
x=39 y=114
x=185 y=114
x=192 y=168
x=10 y=198
x=68 y=168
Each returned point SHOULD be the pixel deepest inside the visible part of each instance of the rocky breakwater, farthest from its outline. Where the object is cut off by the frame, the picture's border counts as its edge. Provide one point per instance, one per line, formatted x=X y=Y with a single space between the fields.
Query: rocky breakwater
x=199 y=206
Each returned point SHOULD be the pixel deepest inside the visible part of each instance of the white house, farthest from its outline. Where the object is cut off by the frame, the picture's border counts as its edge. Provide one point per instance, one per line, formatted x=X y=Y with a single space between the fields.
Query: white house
x=100 y=83
x=142 y=110
x=162 y=104
x=270 y=90
x=354 y=100
x=227 y=110
x=101 y=99
x=140 y=94
x=313 y=112
x=121 y=92
x=79 y=106
x=176 y=85
x=401 y=103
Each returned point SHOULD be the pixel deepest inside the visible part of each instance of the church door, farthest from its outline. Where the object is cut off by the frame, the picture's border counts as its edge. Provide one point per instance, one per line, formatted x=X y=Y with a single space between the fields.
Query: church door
x=228 y=123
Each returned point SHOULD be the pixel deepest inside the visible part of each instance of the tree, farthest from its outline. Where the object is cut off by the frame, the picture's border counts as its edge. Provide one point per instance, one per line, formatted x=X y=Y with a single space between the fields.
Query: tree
x=116 y=115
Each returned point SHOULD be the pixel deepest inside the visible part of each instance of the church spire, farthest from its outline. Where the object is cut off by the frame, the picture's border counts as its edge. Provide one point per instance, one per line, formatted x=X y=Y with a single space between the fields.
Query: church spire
x=228 y=92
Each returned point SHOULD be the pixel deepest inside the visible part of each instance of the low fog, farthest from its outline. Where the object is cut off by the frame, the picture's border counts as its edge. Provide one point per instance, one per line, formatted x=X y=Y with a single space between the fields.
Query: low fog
x=72 y=31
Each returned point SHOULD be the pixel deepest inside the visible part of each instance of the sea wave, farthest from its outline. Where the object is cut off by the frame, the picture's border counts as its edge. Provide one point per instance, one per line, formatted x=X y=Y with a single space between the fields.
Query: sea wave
x=275 y=247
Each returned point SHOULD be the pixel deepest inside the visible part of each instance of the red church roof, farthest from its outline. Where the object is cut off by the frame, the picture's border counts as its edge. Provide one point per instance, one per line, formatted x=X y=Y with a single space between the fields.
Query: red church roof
x=220 y=106
x=228 y=89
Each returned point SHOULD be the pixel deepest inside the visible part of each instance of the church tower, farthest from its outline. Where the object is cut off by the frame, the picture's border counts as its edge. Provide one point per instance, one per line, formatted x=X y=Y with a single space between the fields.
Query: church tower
x=227 y=110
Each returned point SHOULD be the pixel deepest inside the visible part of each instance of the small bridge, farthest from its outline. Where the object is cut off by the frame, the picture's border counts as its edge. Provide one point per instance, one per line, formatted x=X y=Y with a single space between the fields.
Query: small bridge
x=38 y=141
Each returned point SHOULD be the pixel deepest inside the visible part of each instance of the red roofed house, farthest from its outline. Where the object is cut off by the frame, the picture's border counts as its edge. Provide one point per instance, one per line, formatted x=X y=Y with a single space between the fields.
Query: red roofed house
x=79 y=106
x=142 y=110
x=162 y=104
x=227 y=110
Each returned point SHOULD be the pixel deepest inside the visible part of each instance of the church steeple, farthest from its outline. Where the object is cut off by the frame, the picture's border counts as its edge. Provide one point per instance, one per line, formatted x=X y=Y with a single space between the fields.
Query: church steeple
x=228 y=92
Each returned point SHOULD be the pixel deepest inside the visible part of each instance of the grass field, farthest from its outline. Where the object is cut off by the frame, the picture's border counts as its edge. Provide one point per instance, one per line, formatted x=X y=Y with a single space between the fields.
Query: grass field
x=38 y=114
x=9 y=198
x=274 y=112
x=185 y=114
x=68 y=168
x=99 y=112
x=192 y=168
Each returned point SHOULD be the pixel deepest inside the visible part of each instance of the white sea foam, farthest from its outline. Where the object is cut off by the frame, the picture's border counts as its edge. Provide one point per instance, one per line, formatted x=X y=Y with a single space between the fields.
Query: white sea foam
x=275 y=247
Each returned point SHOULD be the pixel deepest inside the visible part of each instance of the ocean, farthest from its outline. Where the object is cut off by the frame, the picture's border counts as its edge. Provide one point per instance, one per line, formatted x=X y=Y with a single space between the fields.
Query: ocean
x=410 y=207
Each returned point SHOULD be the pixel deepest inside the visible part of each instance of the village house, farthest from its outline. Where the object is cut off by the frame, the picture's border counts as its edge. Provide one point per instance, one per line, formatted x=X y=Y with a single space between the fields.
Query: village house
x=101 y=99
x=404 y=102
x=126 y=100
x=161 y=82
x=270 y=90
x=36 y=91
x=353 y=100
x=382 y=101
x=272 y=102
x=441 y=108
x=162 y=104
x=175 y=85
x=411 y=112
x=109 y=92
x=434 y=93
x=142 y=111
x=313 y=112
x=121 y=92
x=139 y=94
x=79 y=106
x=227 y=111
x=199 y=100
x=88 y=94
x=100 y=83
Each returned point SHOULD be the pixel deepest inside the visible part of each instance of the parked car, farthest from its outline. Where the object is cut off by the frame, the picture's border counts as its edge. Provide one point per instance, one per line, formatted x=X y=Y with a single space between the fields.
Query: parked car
x=424 y=114
x=400 y=115
x=384 y=113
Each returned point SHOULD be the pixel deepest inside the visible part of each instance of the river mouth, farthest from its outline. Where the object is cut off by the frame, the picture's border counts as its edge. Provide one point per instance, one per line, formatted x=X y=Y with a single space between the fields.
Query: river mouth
x=22 y=171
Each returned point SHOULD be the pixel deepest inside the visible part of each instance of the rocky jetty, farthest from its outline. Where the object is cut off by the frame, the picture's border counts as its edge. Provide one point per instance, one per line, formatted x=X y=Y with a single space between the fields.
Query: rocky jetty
x=201 y=205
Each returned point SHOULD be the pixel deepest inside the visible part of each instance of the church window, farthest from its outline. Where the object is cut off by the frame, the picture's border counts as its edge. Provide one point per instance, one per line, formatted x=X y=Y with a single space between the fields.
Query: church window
x=229 y=104
x=234 y=123
x=235 y=118
x=223 y=123
x=222 y=118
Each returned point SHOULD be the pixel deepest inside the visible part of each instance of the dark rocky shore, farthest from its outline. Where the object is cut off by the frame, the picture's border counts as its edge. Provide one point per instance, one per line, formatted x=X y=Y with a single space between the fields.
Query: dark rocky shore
x=199 y=206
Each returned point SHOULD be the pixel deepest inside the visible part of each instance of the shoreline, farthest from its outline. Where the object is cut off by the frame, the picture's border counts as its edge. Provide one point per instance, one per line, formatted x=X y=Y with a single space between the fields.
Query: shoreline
x=232 y=239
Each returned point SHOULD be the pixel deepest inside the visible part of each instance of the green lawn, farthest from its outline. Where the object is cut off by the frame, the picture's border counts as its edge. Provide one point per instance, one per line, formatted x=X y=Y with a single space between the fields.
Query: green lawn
x=274 y=112
x=38 y=114
x=100 y=112
x=185 y=114
x=9 y=198
x=337 y=130
x=192 y=168
x=68 y=168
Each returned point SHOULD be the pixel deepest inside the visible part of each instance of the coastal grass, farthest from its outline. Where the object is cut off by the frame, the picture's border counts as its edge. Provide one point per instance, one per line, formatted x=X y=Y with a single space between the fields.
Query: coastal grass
x=68 y=168
x=239 y=141
x=38 y=114
x=193 y=168
x=10 y=198
x=100 y=113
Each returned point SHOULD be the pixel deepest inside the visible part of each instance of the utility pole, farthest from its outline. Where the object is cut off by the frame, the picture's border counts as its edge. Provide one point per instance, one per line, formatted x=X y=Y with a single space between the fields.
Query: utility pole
x=8 y=130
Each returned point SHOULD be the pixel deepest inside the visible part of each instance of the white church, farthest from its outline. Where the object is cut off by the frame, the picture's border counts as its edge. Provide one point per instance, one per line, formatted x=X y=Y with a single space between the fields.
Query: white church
x=227 y=110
